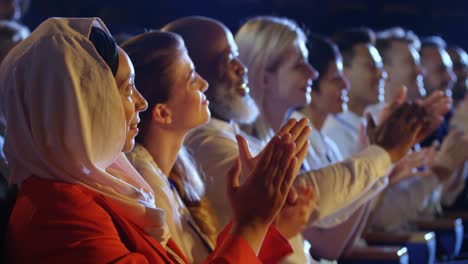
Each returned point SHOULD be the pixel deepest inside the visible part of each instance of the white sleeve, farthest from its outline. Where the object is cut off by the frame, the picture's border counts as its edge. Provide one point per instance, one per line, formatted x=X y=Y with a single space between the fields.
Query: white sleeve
x=215 y=155
x=403 y=202
x=343 y=187
x=455 y=185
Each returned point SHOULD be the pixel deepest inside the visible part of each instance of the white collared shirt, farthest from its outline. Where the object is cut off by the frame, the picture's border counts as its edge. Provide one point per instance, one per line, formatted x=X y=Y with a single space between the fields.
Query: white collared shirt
x=343 y=129
x=214 y=147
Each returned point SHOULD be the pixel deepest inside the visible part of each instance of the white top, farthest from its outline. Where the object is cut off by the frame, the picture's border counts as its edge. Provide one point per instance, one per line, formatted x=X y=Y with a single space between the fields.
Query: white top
x=403 y=203
x=326 y=151
x=343 y=129
x=214 y=147
x=183 y=229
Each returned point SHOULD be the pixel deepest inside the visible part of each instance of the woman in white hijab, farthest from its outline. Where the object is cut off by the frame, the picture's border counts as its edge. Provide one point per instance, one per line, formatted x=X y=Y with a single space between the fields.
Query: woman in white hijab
x=71 y=110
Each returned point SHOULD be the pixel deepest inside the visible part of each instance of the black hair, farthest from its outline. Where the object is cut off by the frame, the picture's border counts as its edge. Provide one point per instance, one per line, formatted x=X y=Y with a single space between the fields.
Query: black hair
x=321 y=53
x=346 y=40
x=106 y=47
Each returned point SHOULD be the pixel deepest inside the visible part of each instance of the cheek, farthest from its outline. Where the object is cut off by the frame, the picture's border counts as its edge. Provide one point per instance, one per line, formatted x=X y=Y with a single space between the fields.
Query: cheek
x=129 y=110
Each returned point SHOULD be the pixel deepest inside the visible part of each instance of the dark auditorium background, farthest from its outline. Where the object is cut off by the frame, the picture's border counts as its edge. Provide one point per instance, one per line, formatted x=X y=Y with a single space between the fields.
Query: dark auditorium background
x=448 y=18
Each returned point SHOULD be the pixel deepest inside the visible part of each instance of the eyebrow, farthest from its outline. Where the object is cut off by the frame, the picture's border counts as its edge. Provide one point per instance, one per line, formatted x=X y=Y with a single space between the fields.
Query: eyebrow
x=192 y=71
x=131 y=76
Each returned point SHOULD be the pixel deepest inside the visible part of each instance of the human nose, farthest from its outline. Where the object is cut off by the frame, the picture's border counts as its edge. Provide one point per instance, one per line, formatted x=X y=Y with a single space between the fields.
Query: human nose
x=140 y=103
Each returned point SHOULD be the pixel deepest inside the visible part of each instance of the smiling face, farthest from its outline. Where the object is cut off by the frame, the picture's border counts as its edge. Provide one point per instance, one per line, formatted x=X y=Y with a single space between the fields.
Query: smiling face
x=366 y=75
x=404 y=68
x=460 y=68
x=438 y=72
x=291 y=81
x=230 y=94
x=132 y=100
x=187 y=105
x=332 y=95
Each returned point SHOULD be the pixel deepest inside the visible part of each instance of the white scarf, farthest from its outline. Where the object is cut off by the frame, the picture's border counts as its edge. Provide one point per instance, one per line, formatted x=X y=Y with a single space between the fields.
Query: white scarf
x=65 y=119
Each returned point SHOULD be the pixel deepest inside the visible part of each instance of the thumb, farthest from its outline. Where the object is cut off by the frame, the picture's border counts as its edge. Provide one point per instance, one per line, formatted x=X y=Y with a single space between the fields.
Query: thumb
x=233 y=177
x=244 y=150
x=401 y=95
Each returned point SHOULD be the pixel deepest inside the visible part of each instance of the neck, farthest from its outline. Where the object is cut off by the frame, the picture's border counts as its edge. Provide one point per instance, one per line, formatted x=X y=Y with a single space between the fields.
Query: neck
x=355 y=106
x=275 y=113
x=316 y=116
x=164 y=146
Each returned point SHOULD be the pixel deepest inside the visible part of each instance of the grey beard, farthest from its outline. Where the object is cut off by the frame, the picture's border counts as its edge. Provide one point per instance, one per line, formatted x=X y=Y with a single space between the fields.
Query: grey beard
x=229 y=105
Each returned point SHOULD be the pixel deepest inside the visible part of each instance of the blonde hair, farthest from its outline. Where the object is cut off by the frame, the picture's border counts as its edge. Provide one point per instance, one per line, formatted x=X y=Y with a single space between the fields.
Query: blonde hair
x=263 y=42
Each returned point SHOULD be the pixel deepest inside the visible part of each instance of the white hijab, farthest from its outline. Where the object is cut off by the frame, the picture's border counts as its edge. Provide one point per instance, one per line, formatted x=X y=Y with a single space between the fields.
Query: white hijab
x=65 y=119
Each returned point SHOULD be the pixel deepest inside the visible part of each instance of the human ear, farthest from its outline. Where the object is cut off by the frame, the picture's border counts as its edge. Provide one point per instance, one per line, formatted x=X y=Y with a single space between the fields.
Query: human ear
x=162 y=114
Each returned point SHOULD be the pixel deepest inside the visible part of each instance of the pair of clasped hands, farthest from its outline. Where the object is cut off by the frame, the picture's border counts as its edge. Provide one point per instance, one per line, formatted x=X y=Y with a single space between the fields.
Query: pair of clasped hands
x=441 y=159
x=268 y=196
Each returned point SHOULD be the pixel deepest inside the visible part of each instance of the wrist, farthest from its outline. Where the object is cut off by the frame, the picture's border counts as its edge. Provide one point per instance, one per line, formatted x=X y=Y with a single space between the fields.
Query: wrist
x=253 y=232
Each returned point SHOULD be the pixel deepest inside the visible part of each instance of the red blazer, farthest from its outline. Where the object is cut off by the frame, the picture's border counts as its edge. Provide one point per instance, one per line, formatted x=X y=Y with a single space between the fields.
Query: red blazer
x=57 y=222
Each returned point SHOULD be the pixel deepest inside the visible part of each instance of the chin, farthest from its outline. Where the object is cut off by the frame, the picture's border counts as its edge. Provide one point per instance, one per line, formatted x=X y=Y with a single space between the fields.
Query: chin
x=303 y=101
x=129 y=144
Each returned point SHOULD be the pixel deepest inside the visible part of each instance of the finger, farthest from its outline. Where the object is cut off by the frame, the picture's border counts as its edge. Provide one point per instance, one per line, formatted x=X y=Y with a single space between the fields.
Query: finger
x=276 y=166
x=302 y=138
x=292 y=196
x=401 y=95
x=302 y=153
x=297 y=129
x=286 y=128
x=233 y=177
x=290 y=175
x=266 y=157
x=287 y=150
x=440 y=107
x=431 y=99
x=244 y=150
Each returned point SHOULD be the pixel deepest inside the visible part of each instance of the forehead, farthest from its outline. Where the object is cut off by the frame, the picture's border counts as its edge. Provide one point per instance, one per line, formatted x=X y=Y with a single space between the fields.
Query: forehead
x=459 y=56
x=403 y=49
x=366 y=52
x=400 y=48
x=231 y=43
x=437 y=56
x=125 y=69
x=183 y=65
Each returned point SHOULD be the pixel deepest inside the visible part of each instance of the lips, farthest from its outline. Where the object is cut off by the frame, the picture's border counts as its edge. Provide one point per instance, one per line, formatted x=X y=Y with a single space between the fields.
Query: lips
x=204 y=100
x=134 y=125
x=243 y=88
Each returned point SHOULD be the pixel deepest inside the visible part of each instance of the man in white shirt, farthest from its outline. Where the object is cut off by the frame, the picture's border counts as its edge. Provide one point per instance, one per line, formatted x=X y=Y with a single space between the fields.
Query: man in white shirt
x=399 y=50
x=364 y=70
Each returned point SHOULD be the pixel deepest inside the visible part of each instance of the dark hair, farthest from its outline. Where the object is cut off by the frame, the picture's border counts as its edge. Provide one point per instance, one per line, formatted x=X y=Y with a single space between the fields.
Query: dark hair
x=322 y=52
x=106 y=47
x=152 y=54
x=387 y=37
x=433 y=42
x=346 y=40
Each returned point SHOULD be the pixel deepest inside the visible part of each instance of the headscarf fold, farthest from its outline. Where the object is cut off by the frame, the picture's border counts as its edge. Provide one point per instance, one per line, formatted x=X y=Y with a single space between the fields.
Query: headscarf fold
x=65 y=119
